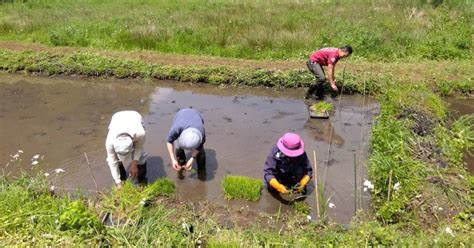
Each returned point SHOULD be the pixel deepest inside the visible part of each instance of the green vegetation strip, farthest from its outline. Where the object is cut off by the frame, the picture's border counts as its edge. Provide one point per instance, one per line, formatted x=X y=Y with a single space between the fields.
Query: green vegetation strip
x=241 y=187
x=92 y=65
x=416 y=162
x=380 y=30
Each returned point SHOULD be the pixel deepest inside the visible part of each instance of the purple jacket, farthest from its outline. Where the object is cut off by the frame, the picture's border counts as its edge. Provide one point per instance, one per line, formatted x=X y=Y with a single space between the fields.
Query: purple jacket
x=276 y=167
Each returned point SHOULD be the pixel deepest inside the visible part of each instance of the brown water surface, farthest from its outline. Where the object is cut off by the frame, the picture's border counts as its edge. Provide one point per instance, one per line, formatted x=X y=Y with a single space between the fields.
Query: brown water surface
x=66 y=119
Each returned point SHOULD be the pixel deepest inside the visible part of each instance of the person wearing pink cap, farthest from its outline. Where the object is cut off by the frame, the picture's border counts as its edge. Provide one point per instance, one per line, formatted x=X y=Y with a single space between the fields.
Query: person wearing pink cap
x=287 y=165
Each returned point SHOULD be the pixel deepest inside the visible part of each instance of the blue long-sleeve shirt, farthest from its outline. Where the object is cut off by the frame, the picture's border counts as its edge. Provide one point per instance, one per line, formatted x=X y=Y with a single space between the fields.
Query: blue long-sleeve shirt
x=277 y=168
x=186 y=118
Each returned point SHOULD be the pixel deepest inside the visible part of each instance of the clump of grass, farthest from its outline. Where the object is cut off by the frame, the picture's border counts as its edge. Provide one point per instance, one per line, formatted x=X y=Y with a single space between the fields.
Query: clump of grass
x=301 y=207
x=160 y=187
x=127 y=202
x=77 y=216
x=457 y=139
x=321 y=107
x=241 y=187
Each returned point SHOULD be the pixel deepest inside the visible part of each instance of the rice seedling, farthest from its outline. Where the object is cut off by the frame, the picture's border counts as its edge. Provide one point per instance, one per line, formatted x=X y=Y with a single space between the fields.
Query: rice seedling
x=322 y=107
x=241 y=187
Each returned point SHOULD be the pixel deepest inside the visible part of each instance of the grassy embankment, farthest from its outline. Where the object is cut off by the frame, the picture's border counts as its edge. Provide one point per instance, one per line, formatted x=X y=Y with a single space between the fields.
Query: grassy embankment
x=380 y=30
x=415 y=145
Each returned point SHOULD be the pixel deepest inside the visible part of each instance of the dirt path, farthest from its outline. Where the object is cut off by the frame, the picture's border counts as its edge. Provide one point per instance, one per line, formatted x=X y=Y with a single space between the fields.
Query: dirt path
x=407 y=71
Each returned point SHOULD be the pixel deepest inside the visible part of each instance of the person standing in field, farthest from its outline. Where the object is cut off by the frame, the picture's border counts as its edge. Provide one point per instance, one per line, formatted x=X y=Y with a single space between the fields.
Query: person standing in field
x=124 y=146
x=287 y=167
x=187 y=133
x=327 y=56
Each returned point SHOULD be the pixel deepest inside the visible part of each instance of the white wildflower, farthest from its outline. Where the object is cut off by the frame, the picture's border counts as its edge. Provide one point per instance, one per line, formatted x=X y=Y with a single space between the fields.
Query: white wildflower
x=59 y=170
x=143 y=201
x=397 y=185
x=34 y=163
x=440 y=208
x=56 y=221
x=51 y=188
x=46 y=174
x=368 y=184
x=35 y=157
x=308 y=217
x=16 y=156
x=449 y=231
x=20 y=151
x=332 y=205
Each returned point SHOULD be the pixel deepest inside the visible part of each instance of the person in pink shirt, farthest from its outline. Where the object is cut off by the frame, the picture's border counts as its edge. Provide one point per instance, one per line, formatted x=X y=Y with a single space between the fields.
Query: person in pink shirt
x=327 y=56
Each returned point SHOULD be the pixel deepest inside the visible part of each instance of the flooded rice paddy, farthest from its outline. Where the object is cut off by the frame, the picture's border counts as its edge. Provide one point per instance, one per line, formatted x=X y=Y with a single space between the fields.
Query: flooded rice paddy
x=65 y=120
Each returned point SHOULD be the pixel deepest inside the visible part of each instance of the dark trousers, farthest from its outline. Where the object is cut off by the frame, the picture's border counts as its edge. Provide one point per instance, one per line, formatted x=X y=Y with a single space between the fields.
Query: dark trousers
x=200 y=158
x=318 y=87
x=141 y=178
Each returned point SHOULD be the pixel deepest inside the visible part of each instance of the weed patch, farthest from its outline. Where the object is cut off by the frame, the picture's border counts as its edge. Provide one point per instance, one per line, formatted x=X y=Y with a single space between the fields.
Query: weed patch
x=301 y=207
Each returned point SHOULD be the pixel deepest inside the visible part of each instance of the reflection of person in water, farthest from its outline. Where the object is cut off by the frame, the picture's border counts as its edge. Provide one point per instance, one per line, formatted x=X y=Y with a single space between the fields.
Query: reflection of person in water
x=323 y=130
x=287 y=166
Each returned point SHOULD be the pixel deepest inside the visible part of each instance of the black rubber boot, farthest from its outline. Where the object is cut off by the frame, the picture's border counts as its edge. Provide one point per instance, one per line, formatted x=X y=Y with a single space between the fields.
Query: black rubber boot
x=201 y=161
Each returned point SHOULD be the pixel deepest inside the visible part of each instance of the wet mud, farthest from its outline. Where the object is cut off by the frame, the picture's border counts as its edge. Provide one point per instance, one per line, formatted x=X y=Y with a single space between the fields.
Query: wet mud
x=66 y=120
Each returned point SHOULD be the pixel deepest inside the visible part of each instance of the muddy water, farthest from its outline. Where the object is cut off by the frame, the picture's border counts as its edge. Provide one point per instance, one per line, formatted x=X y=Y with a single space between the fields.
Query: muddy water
x=66 y=120
x=463 y=107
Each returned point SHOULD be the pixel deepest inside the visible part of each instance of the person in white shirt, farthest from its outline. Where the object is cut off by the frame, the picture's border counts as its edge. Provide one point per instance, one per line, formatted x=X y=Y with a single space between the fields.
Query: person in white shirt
x=124 y=145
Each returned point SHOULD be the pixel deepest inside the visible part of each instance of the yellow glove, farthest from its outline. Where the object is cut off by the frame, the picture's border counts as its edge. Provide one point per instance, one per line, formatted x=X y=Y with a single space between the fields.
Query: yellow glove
x=303 y=182
x=278 y=186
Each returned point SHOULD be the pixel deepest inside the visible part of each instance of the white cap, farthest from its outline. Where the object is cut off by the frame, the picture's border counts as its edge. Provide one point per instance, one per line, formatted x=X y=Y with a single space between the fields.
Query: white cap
x=123 y=145
x=190 y=138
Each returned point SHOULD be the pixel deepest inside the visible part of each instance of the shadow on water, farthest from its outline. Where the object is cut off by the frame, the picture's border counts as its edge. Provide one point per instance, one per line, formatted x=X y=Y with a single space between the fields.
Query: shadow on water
x=155 y=168
x=63 y=119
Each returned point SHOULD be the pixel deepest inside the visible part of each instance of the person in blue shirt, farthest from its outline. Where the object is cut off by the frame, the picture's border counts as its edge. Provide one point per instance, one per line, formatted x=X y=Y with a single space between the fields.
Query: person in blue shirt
x=187 y=133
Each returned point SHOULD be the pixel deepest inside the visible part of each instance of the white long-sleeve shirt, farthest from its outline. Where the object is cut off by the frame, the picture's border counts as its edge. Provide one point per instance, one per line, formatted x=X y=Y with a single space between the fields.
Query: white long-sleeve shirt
x=131 y=123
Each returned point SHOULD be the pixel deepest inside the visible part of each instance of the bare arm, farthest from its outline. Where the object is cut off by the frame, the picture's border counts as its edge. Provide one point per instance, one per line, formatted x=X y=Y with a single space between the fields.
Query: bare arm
x=174 y=161
x=112 y=161
x=332 y=81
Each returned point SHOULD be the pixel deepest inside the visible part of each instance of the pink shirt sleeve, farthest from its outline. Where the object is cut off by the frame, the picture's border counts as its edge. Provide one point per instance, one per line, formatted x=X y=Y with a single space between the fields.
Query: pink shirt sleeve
x=332 y=60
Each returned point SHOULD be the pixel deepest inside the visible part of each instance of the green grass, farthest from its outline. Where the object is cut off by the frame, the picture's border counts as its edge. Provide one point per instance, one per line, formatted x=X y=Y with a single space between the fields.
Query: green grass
x=31 y=216
x=456 y=139
x=397 y=154
x=241 y=187
x=301 y=207
x=378 y=30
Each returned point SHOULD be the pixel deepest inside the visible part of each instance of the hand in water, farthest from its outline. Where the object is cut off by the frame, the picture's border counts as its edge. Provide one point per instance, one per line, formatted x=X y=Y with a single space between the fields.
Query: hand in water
x=176 y=165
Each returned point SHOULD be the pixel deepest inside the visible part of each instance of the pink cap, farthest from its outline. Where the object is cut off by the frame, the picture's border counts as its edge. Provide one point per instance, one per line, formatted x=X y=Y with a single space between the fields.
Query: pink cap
x=291 y=145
